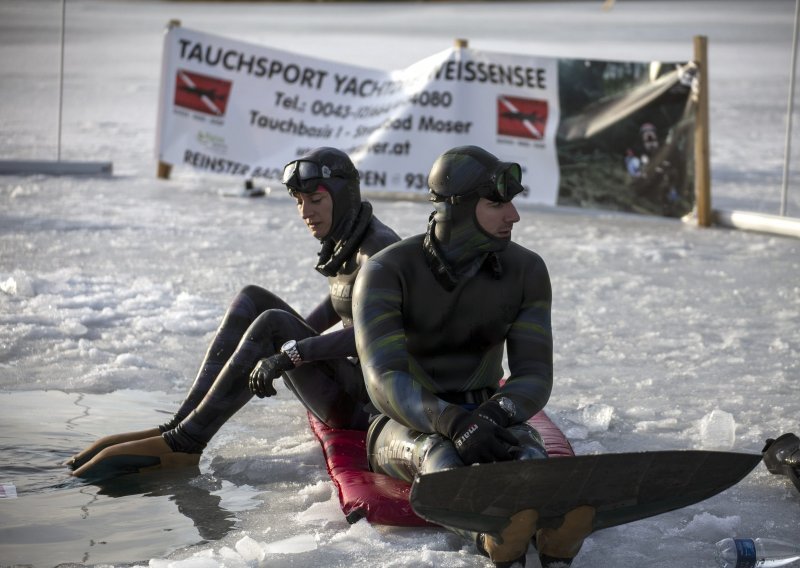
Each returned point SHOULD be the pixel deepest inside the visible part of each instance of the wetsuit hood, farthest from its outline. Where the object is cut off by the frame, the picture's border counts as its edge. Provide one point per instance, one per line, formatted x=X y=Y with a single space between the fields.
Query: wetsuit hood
x=332 y=169
x=455 y=242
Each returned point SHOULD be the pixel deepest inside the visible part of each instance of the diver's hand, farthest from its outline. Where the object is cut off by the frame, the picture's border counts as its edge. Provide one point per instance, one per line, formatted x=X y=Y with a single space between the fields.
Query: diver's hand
x=266 y=371
x=477 y=439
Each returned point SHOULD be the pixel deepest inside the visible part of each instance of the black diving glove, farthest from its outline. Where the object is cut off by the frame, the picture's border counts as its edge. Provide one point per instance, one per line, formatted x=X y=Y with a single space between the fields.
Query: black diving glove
x=266 y=371
x=478 y=438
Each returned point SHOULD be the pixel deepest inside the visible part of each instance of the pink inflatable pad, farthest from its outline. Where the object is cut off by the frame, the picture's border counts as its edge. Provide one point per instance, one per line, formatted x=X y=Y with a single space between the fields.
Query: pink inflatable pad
x=382 y=499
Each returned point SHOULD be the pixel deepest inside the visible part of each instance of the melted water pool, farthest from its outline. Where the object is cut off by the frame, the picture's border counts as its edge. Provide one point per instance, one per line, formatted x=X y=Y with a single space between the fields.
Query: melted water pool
x=55 y=518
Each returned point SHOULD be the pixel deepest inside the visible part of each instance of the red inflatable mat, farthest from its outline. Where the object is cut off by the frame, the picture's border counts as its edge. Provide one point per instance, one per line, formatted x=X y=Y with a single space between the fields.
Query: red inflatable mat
x=381 y=499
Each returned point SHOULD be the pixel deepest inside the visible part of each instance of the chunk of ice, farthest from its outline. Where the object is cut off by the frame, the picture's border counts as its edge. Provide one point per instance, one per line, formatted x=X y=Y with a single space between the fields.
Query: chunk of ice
x=717 y=430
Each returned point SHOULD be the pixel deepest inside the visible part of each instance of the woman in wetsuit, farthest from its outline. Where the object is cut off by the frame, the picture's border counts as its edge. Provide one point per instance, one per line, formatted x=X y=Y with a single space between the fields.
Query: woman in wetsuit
x=262 y=337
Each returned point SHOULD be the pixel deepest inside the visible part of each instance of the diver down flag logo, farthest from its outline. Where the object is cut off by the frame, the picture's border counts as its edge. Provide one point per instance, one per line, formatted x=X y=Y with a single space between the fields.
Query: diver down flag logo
x=524 y=118
x=201 y=93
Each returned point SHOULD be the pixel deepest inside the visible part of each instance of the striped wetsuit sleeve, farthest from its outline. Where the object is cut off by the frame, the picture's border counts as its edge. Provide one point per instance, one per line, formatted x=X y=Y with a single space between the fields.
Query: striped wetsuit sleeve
x=529 y=344
x=393 y=378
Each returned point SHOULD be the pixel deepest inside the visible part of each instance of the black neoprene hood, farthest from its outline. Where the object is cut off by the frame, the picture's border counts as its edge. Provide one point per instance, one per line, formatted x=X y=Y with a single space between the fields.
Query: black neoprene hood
x=456 y=171
x=342 y=183
x=465 y=170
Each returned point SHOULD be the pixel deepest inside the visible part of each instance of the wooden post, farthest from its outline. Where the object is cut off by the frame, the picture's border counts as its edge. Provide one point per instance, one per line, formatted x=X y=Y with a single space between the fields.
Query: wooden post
x=164 y=169
x=702 y=162
x=461 y=43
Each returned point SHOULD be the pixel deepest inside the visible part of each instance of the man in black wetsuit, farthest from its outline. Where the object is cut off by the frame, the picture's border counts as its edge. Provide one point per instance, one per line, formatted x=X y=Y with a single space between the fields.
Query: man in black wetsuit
x=261 y=337
x=433 y=314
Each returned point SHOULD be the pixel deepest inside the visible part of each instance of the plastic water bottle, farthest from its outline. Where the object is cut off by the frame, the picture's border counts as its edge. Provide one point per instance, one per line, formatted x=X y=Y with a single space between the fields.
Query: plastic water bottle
x=755 y=552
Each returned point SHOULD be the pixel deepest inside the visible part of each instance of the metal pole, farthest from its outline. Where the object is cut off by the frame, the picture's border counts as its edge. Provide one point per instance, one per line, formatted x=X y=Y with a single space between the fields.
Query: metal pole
x=788 y=150
x=61 y=75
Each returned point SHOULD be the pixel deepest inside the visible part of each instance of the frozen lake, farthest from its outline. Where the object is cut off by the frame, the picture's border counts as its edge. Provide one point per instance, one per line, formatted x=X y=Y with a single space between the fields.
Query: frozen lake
x=666 y=336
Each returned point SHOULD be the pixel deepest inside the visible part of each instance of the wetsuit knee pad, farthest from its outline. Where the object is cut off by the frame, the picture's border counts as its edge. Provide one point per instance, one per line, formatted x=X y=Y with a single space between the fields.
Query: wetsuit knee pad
x=263 y=337
x=271 y=328
x=260 y=298
x=531 y=446
x=402 y=452
x=274 y=316
x=241 y=312
x=439 y=454
x=252 y=305
x=375 y=439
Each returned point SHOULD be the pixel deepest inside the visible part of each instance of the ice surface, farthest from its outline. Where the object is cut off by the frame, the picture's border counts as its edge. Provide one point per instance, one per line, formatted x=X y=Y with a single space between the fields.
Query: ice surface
x=717 y=430
x=292 y=545
x=666 y=336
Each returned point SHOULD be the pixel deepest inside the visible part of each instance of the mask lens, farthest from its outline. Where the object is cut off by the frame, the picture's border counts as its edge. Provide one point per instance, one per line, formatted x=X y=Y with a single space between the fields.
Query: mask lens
x=288 y=172
x=308 y=170
x=501 y=184
x=508 y=181
x=297 y=174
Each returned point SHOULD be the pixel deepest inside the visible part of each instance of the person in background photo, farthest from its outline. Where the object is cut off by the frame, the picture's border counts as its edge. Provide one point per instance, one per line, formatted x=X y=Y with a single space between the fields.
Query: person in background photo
x=433 y=314
x=261 y=337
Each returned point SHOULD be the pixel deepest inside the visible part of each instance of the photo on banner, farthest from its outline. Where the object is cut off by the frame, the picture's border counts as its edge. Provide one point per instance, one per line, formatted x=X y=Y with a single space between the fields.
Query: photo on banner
x=626 y=137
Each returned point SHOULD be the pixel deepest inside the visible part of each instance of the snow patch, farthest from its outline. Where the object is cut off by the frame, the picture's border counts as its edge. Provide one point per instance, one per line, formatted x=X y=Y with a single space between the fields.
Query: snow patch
x=18 y=284
x=292 y=545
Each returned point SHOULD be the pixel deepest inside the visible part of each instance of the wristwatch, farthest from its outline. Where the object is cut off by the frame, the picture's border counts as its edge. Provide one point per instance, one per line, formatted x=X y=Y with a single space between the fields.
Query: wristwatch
x=290 y=348
x=507 y=405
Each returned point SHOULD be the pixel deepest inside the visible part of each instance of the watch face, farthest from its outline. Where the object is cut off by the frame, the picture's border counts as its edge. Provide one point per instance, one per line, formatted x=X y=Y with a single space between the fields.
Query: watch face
x=290 y=349
x=507 y=405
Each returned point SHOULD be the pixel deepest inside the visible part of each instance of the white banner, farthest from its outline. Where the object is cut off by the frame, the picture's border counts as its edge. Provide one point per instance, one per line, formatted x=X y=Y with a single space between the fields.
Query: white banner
x=235 y=108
